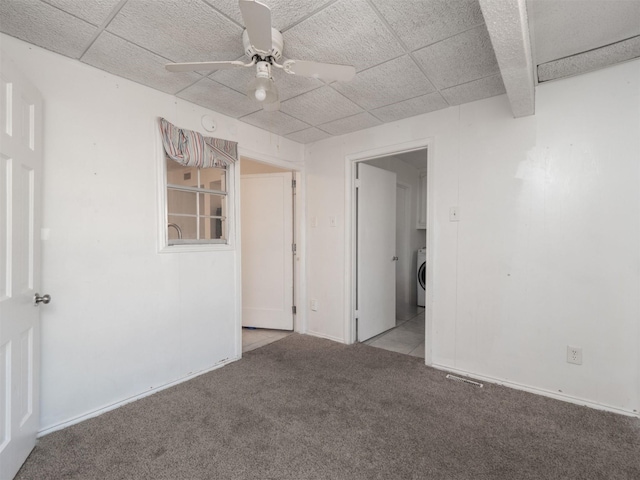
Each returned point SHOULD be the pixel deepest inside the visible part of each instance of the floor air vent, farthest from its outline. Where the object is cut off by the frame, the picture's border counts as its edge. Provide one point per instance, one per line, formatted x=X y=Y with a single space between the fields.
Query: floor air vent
x=463 y=380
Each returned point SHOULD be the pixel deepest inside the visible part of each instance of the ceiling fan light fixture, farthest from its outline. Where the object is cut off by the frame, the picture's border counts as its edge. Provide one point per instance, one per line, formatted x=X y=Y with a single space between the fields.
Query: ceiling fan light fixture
x=263 y=90
x=260 y=94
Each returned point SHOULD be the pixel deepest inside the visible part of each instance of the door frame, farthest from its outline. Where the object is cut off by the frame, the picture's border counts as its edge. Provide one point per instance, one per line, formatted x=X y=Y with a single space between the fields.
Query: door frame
x=299 y=219
x=350 y=246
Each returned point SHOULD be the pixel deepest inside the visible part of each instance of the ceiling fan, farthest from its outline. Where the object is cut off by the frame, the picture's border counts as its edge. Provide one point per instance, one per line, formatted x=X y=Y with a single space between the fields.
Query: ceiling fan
x=263 y=46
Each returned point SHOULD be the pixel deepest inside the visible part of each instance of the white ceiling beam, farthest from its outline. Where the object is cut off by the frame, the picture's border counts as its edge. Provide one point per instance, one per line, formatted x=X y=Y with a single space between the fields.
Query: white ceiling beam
x=506 y=21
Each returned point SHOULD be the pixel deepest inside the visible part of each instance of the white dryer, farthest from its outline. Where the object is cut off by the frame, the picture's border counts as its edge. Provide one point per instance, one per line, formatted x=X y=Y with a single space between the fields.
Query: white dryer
x=421 y=275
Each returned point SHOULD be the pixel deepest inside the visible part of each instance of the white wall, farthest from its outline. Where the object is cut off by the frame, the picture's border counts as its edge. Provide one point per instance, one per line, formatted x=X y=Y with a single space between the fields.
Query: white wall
x=123 y=319
x=250 y=167
x=547 y=250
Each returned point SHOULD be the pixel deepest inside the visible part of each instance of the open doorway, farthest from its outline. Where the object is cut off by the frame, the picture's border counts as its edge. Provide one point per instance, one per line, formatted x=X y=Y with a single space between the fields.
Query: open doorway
x=407 y=334
x=403 y=217
x=267 y=219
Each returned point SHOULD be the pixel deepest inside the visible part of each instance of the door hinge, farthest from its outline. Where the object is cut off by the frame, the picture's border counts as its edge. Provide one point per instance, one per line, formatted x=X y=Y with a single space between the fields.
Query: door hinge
x=293 y=183
x=356 y=314
x=293 y=309
x=357 y=182
x=294 y=247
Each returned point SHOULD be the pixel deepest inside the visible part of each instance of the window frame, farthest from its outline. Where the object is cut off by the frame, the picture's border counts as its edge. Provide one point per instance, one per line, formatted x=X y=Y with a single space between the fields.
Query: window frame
x=198 y=245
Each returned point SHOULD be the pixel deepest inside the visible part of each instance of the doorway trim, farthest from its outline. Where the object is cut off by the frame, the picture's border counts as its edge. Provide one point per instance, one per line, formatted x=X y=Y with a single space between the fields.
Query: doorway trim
x=351 y=161
x=299 y=265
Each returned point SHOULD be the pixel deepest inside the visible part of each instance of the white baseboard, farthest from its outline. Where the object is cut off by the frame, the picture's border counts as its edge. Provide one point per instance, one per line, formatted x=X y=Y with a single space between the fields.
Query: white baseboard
x=113 y=406
x=539 y=391
x=328 y=337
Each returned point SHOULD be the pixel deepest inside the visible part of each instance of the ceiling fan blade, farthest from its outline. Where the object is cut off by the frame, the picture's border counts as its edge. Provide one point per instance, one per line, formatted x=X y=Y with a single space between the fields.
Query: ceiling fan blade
x=202 y=66
x=325 y=71
x=257 y=21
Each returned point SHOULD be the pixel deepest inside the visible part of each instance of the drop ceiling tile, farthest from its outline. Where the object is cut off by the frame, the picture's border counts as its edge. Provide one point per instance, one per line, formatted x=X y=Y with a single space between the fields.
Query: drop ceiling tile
x=220 y=98
x=476 y=90
x=185 y=31
x=391 y=82
x=114 y=55
x=460 y=59
x=235 y=78
x=411 y=108
x=284 y=13
x=591 y=60
x=564 y=28
x=347 y=32
x=320 y=106
x=308 y=135
x=46 y=26
x=350 y=124
x=288 y=85
x=275 y=122
x=421 y=23
x=95 y=12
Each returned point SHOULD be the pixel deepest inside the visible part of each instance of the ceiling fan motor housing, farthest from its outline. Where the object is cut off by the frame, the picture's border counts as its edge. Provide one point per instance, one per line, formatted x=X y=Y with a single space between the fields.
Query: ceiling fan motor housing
x=263 y=70
x=277 y=44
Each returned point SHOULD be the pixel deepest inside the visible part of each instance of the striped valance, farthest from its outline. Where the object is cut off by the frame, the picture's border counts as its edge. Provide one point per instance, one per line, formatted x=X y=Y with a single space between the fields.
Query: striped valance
x=192 y=149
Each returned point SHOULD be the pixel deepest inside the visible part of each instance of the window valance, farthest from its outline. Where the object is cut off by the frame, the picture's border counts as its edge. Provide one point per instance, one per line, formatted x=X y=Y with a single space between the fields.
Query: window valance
x=193 y=149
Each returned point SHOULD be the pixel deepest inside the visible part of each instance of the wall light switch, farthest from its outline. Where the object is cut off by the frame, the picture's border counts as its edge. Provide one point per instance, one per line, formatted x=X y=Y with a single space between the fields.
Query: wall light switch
x=454 y=215
x=333 y=221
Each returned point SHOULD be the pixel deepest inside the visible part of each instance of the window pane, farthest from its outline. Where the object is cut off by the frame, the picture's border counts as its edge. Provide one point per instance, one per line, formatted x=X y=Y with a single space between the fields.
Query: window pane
x=212 y=205
x=214 y=179
x=181 y=202
x=212 y=228
x=186 y=225
x=189 y=212
x=180 y=175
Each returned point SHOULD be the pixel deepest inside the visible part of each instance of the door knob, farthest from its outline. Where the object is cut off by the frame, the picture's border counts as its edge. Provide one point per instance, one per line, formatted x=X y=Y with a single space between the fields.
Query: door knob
x=395 y=259
x=41 y=299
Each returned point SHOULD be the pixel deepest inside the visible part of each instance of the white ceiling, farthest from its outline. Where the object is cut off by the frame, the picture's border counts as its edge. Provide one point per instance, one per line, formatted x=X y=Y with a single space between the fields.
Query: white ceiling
x=417 y=159
x=412 y=56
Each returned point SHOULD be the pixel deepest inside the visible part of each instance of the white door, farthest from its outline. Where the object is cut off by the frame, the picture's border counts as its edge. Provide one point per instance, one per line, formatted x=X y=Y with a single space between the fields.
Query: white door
x=267 y=255
x=404 y=273
x=376 y=244
x=20 y=210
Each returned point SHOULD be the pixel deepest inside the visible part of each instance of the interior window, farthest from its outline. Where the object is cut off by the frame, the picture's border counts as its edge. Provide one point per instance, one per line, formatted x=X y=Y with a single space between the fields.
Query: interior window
x=197 y=200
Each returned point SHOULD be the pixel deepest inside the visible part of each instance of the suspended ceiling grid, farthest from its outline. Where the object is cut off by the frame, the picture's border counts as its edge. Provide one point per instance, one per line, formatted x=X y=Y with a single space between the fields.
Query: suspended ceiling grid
x=411 y=56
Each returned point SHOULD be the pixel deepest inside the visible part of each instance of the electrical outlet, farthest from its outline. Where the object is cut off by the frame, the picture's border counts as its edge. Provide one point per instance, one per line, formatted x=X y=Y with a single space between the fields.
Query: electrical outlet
x=314 y=305
x=574 y=355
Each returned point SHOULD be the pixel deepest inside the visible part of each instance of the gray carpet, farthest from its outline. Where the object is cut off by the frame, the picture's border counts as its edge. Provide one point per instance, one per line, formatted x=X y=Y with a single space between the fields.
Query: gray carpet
x=307 y=408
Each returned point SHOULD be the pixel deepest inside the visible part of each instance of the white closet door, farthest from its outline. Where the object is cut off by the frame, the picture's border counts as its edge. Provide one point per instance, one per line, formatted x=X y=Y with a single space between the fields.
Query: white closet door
x=376 y=251
x=267 y=255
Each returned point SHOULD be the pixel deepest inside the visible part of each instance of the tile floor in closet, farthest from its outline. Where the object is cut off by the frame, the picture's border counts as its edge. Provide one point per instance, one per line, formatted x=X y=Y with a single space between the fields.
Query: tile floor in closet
x=253 y=338
x=407 y=337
